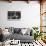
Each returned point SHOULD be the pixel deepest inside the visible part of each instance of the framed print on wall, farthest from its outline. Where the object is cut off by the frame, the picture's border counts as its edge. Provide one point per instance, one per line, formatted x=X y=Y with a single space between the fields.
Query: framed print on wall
x=14 y=15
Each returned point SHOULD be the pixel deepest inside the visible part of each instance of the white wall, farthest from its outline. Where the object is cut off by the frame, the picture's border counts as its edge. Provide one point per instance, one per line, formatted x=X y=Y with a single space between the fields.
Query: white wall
x=30 y=14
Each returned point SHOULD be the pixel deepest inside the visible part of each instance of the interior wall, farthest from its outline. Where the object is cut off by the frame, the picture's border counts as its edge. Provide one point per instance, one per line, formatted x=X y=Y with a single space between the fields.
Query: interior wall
x=30 y=14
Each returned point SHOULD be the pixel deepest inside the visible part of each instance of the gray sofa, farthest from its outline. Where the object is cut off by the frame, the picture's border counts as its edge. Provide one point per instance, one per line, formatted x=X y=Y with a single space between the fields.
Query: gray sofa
x=22 y=38
x=17 y=35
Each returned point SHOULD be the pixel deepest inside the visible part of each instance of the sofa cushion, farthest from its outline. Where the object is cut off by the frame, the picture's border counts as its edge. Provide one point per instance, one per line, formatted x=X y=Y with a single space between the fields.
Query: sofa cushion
x=23 y=31
x=11 y=30
x=17 y=30
x=20 y=37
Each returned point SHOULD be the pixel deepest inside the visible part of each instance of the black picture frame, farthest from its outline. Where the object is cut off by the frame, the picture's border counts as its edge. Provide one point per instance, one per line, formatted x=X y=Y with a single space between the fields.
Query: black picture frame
x=14 y=14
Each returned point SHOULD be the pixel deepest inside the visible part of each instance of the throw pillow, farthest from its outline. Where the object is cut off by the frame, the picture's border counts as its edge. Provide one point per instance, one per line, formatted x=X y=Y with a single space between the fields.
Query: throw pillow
x=17 y=30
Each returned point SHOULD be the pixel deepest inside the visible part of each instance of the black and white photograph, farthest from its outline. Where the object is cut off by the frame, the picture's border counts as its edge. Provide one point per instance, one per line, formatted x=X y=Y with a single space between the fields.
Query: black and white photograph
x=14 y=15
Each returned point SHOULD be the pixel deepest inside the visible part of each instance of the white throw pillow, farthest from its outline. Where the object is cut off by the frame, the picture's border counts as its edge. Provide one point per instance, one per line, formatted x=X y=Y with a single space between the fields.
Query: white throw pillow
x=23 y=31
x=5 y=32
